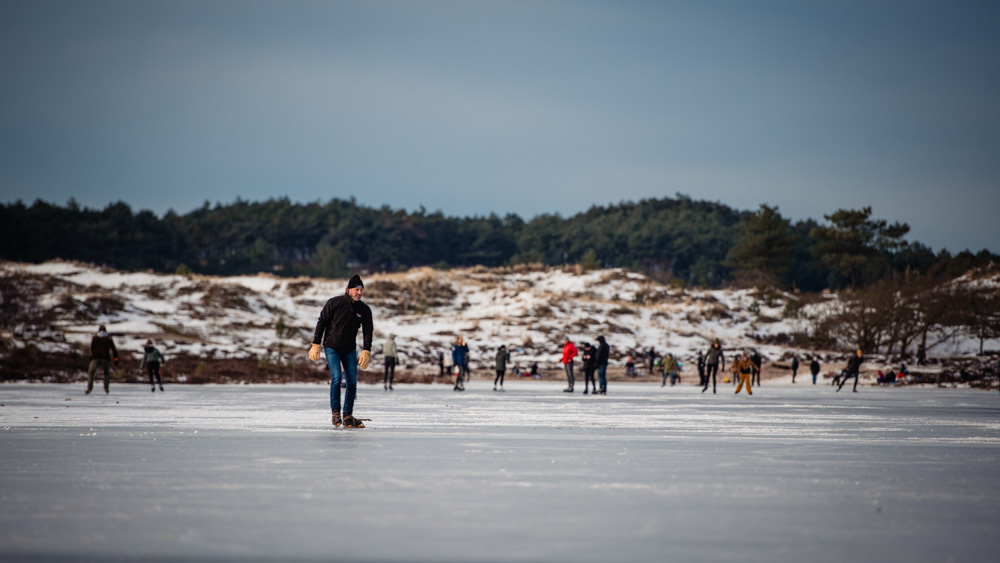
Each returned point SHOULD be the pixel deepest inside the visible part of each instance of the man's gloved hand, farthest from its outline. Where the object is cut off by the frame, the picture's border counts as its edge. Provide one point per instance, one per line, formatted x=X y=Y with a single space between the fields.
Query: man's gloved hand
x=116 y=362
x=314 y=352
x=363 y=360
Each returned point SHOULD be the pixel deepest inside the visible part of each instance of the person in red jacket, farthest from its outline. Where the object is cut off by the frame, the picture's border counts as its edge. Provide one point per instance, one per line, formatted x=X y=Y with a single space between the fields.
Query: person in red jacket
x=569 y=352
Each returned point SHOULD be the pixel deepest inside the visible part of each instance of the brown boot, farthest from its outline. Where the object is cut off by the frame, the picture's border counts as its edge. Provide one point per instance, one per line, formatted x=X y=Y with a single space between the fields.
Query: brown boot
x=351 y=422
x=337 y=421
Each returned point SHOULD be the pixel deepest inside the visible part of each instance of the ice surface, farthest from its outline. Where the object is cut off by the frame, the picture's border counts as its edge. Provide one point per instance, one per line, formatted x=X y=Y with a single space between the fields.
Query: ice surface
x=794 y=473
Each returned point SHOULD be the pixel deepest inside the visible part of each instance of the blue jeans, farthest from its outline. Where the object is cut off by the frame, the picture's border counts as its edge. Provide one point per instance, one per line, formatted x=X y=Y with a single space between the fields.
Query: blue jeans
x=349 y=363
x=602 y=377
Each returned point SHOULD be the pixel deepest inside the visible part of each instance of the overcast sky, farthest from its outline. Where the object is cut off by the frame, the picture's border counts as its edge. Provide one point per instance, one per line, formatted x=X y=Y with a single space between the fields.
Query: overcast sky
x=526 y=107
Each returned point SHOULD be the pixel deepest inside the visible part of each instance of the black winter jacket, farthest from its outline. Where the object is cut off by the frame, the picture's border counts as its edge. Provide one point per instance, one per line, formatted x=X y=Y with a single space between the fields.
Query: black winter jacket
x=603 y=351
x=338 y=324
x=103 y=348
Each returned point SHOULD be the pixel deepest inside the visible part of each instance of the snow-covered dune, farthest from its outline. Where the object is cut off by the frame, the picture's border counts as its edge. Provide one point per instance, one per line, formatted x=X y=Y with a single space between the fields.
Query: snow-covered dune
x=529 y=309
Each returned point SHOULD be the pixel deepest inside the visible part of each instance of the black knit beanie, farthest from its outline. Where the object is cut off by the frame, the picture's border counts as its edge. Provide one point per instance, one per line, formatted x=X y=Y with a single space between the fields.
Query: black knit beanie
x=355 y=282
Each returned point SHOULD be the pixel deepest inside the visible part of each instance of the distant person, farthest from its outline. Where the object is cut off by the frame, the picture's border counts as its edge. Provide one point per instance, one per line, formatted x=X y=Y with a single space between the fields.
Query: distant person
x=921 y=355
x=441 y=363
x=102 y=353
x=852 y=369
x=603 y=353
x=651 y=356
x=516 y=372
x=389 y=357
x=589 y=367
x=757 y=362
x=795 y=367
x=744 y=371
x=458 y=351
x=151 y=361
x=701 y=369
x=814 y=368
x=569 y=352
x=466 y=360
x=501 y=364
x=629 y=366
x=670 y=369
x=534 y=371
x=336 y=337
x=712 y=359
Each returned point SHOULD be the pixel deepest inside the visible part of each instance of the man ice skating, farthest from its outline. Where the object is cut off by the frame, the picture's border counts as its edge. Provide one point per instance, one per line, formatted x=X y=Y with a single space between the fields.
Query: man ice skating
x=814 y=369
x=458 y=357
x=501 y=364
x=744 y=371
x=795 y=367
x=853 y=366
x=102 y=353
x=670 y=369
x=589 y=356
x=603 y=353
x=151 y=360
x=757 y=362
x=336 y=335
x=569 y=352
x=389 y=356
x=701 y=369
x=712 y=359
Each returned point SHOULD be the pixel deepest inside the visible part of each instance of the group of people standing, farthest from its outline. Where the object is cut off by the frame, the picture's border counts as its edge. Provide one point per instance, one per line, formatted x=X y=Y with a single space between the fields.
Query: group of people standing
x=595 y=361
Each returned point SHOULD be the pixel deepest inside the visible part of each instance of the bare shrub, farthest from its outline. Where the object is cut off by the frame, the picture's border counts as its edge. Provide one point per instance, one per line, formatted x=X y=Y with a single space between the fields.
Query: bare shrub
x=295 y=289
x=619 y=311
x=227 y=297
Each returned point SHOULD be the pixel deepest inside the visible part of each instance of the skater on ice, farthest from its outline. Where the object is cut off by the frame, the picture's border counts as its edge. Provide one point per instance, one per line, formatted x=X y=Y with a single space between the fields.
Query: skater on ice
x=712 y=359
x=102 y=353
x=589 y=366
x=603 y=353
x=569 y=352
x=744 y=371
x=757 y=362
x=336 y=337
x=389 y=357
x=670 y=370
x=151 y=361
x=503 y=356
x=458 y=351
x=853 y=366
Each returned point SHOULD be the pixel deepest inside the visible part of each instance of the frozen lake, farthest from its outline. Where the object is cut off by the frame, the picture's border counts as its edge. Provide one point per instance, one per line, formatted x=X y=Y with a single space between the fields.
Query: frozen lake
x=234 y=473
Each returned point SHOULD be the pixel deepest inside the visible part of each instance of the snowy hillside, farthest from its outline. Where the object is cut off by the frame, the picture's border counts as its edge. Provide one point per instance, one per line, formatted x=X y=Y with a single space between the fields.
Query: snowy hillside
x=528 y=309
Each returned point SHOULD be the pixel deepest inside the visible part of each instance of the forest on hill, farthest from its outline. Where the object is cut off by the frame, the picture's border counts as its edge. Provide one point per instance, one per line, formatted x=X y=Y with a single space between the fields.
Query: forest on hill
x=675 y=240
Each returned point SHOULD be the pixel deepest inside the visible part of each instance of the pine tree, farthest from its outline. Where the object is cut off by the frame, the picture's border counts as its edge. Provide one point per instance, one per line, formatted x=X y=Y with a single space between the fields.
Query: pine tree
x=764 y=252
x=855 y=242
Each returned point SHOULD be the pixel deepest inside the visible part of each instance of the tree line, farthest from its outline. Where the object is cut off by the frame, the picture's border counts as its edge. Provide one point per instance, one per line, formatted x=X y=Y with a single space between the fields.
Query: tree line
x=677 y=240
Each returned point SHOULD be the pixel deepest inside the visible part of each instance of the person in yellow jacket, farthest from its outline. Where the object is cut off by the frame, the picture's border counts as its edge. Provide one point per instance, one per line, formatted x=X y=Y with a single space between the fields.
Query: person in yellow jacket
x=336 y=336
x=743 y=369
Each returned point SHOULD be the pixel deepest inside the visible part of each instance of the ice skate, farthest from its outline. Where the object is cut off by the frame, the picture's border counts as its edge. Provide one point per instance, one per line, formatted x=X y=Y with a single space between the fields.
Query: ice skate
x=351 y=422
x=337 y=421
